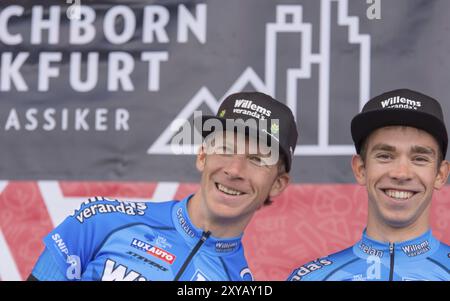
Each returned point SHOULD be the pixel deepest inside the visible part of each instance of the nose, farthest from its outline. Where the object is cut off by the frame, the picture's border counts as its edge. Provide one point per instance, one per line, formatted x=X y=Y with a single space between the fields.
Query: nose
x=235 y=166
x=401 y=170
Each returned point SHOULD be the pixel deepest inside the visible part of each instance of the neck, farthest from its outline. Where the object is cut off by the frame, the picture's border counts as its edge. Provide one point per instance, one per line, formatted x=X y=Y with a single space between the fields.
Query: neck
x=219 y=227
x=387 y=233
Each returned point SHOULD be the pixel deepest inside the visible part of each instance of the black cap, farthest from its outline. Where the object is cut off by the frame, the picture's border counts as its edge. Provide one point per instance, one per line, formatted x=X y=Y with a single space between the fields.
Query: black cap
x=401 y=107
x=244 y=106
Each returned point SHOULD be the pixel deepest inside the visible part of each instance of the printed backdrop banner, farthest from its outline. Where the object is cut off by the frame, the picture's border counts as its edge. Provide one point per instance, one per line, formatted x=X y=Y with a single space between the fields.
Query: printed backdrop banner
x=91 y=93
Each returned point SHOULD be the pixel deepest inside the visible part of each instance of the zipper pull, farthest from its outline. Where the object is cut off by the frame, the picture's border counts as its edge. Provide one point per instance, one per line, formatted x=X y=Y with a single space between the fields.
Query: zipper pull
x=391 y=248
x=205 y=235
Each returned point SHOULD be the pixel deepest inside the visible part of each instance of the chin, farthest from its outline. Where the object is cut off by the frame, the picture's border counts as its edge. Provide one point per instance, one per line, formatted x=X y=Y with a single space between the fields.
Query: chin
x=224 y=211
x=399 y=221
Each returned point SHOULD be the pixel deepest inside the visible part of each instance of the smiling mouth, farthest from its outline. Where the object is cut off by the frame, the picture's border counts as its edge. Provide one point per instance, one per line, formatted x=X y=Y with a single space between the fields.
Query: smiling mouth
x=399 y=194
x=228 y=190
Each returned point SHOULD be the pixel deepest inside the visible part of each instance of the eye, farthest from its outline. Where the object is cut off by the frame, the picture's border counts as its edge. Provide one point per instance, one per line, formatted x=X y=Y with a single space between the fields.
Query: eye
x=258 y=161
x=384 y=156
x=421 y=159
x=255 y=159
x=224 y=150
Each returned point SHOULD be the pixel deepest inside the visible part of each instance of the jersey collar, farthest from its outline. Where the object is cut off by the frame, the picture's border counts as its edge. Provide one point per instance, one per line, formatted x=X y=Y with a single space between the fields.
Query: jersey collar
x=416 y=248
x=192 y=234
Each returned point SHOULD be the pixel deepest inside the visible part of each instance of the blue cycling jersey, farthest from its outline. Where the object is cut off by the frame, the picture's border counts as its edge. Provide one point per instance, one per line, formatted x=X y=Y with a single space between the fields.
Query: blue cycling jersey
x=112 y=240
x=422 y=258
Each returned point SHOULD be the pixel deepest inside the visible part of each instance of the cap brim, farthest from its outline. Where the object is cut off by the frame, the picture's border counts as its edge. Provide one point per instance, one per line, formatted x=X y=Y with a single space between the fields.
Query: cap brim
x=365 y=123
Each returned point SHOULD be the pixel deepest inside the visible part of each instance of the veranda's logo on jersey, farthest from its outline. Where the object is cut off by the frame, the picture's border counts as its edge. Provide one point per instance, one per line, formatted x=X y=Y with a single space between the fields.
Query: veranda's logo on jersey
x=310 y=267
x=401 y=102
x=128 y=208
x=153 y=250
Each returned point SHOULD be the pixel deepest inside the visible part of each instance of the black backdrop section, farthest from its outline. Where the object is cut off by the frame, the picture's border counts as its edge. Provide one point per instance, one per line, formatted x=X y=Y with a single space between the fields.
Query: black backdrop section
x=147 y=63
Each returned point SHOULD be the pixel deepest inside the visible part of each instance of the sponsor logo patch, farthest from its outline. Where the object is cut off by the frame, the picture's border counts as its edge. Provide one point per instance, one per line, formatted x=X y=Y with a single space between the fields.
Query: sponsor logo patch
x=153 y=250
x=370 y=250
x=226 y=246
x=247 y=107
x=416 y=249
x=118 y=272
x=128 y=208
x=400 y=102
x=310 y=267
x=184 y=224
x=148 y=261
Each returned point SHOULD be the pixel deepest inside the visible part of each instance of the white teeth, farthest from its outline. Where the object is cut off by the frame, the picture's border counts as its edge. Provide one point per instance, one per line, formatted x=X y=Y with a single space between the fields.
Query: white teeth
x=399 y=194
x=228 y=190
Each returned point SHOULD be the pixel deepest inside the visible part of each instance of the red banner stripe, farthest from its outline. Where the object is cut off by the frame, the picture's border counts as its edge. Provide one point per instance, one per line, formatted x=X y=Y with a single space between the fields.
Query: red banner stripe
x=24 y=220
x=116 y=189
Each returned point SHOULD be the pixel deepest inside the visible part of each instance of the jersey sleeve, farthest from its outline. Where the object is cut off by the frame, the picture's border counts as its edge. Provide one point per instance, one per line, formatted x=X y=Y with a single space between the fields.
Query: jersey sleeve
x=47 y=269
x=74 y=243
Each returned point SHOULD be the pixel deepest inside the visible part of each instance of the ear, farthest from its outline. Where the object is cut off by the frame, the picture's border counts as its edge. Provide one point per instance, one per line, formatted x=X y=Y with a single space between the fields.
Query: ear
x=280 y=183
x=442 y=175
x=201 y=158
x=359 y=169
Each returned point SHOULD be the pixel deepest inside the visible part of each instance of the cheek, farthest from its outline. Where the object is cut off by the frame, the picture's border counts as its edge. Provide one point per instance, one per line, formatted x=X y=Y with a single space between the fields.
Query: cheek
x=370 y=180
x=427 y=177
x=373 y=175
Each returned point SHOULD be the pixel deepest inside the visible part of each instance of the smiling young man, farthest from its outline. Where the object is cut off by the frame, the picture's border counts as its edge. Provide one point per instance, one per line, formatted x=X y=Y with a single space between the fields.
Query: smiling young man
x=401 y=142
x=244 y=162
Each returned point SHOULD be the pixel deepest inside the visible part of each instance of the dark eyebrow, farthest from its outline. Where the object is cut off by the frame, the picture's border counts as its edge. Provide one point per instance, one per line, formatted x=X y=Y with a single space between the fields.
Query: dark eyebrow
x=417 y=149
x=383 y=147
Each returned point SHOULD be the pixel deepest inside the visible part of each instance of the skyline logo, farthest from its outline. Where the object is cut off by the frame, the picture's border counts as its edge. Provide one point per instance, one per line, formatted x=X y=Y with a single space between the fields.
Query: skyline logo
x=289 y=20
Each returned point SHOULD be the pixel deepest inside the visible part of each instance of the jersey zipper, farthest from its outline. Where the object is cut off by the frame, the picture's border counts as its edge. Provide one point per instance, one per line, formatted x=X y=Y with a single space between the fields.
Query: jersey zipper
x=392 y=253
x=204 y=237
